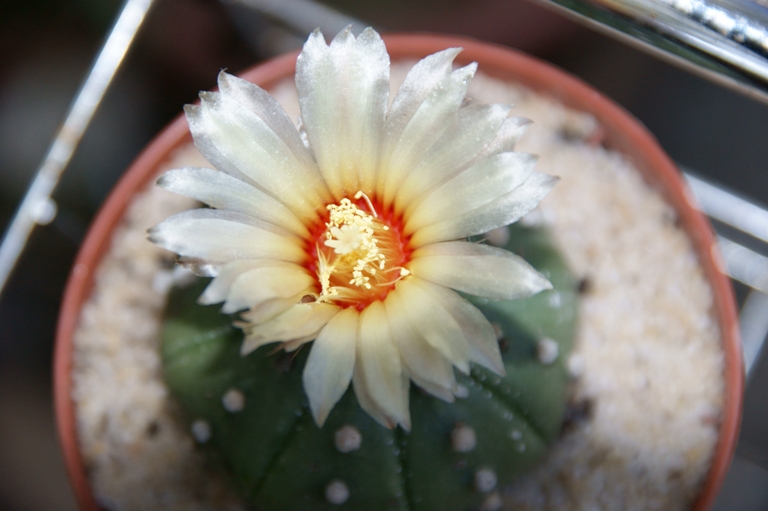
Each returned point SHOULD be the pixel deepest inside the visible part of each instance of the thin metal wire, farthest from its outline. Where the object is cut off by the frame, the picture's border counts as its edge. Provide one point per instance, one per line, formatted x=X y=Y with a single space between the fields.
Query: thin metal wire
x=743 y=264
x=721 y=44
x=729 y=208
x=38 y=207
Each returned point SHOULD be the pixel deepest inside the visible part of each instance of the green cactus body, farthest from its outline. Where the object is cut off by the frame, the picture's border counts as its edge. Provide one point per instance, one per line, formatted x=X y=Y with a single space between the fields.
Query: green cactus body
x=454 y=457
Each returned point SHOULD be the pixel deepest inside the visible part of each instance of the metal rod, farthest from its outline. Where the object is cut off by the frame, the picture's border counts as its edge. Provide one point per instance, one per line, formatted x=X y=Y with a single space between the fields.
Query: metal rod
x=745 y=265
x=753 y=319
x=722 y=43
x=729 y=208
x=37 y=206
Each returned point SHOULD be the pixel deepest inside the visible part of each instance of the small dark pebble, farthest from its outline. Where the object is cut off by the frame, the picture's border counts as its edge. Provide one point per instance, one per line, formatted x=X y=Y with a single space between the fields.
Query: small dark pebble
x=576 y=413
x=168 y=263
x=674 y=475
x=584 y=285
x=284 y=362
x=153 y=429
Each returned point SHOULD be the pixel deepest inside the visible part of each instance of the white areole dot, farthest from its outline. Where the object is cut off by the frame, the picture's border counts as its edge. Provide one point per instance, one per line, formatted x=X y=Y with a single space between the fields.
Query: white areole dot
x=547 y=350
x=463 y=439
x=485 y=480
x=575 y=365
x=337 y=492
x=201 y=430
x=348 y=439
x=233 y=401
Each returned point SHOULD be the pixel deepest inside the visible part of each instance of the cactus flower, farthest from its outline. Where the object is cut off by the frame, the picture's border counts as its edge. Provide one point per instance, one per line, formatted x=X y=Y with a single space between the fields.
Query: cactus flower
x=352 y=230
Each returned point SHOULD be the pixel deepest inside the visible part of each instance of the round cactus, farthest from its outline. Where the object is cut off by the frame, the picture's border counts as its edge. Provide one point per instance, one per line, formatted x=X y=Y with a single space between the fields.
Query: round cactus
x=253 y=414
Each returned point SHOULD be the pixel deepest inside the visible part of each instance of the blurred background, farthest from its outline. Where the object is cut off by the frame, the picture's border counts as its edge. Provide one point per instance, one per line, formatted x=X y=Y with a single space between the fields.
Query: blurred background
x=47 y=46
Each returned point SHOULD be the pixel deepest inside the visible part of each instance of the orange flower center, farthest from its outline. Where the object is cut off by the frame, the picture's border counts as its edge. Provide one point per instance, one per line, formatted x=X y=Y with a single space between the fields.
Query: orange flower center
x=358 y=253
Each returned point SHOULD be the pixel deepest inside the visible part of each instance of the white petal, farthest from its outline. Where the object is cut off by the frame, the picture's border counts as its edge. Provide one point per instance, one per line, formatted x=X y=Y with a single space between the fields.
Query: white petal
x=502 y=211
x=419 y=83
x=434 y=323
x=221 y=236
x=410 y=134
x=477 y=186
x=222 y=191
x=463 y=141
x=379 y=363
x=238 y=141
x=366 y=401
x=331 y=363
x=268 y=309
x=258 y=285
x=428 y=368
x=343 y=93
x=484 y=347
x=219 y=287
x=477 y=269
x=508 y=135
x=301 y=322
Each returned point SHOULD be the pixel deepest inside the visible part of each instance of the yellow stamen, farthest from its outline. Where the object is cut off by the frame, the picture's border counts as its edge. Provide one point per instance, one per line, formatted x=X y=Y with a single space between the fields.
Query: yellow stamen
x=364 y=251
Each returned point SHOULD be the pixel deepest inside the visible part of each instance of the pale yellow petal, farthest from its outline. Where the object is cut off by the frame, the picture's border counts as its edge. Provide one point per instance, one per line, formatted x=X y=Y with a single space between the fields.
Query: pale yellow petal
x=483 y=345
x=301 y=322
x=257 y=286
x=379 y=361
x=222 y=286
x=268 y=309
x=428 y=368
x=439 y=329
x=331 y=363
x=366 y=401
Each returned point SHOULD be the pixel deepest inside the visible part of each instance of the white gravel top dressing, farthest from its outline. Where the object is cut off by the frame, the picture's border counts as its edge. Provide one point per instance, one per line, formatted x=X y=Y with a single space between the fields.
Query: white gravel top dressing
x=647 y=367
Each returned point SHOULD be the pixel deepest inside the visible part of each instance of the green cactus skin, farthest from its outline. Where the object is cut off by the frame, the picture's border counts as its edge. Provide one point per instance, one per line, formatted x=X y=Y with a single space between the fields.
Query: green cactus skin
x=279 y=458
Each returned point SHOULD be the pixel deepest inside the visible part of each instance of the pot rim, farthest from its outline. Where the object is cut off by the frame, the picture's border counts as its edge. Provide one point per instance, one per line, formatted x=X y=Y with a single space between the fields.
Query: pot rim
x=623 y=133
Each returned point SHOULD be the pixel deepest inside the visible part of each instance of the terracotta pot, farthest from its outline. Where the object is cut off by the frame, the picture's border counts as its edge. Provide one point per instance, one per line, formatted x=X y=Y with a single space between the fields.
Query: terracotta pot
x=621 y=132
